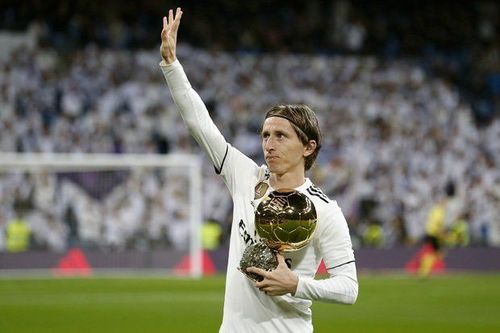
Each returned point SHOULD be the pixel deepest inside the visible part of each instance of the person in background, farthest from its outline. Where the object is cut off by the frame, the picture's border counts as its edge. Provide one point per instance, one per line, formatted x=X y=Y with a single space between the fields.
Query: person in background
x=18 y=234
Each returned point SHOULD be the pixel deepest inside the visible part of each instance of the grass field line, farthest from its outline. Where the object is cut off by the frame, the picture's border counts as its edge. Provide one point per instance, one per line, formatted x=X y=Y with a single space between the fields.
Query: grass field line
x=11 y=299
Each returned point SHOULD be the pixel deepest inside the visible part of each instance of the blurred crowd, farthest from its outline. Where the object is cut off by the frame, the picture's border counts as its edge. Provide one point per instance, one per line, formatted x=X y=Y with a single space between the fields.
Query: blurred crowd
x=400 y=133
x=454 y=39
x=107 y=210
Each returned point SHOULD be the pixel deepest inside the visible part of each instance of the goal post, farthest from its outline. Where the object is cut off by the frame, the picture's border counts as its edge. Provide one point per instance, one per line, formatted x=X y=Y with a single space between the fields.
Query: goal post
x=179 y=174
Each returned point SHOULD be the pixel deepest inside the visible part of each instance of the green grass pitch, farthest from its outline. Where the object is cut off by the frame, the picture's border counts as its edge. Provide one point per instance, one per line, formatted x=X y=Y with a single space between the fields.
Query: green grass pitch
x=386 y=303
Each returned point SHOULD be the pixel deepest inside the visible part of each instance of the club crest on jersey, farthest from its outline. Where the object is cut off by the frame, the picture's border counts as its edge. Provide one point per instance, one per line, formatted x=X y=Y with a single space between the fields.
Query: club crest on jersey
x=260 y=190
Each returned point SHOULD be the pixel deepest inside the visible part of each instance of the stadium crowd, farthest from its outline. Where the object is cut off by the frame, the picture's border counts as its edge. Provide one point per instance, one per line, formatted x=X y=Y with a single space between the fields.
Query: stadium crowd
x=456 y=40
x=397 y=131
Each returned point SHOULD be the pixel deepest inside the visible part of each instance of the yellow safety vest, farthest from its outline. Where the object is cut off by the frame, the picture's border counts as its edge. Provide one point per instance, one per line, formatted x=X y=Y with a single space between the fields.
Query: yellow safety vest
x=18 y=236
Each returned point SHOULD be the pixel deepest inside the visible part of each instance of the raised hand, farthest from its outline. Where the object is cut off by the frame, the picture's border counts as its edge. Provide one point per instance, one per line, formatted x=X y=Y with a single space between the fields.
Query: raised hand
x=169 y=35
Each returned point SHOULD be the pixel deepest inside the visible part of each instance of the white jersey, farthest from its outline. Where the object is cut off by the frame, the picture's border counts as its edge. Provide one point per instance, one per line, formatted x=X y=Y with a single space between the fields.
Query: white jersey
x=246 y=309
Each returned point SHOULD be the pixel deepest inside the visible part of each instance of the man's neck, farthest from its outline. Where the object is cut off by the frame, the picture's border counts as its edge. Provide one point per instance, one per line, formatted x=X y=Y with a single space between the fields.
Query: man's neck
x=286 y=181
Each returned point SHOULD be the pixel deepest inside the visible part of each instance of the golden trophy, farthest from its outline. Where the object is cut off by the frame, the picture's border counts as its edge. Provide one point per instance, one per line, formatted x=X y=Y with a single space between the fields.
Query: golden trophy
x=285 y=221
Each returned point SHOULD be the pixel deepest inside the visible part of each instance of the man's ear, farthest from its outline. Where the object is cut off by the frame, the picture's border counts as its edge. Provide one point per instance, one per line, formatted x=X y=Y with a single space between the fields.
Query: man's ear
x=310 y=147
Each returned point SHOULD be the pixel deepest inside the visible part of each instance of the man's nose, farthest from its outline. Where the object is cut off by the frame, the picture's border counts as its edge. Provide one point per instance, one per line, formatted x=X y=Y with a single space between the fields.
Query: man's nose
x=268 y=144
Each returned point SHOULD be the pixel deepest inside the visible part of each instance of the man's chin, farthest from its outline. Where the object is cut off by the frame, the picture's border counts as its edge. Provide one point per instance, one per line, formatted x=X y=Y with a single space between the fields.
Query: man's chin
x=272 y=168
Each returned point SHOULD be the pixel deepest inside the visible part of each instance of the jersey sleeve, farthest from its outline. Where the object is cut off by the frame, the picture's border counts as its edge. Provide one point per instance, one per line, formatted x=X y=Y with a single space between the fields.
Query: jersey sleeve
x=195 y=114
x=340 y=287
x=236 y=168
x=334 y=243
x=334 y=238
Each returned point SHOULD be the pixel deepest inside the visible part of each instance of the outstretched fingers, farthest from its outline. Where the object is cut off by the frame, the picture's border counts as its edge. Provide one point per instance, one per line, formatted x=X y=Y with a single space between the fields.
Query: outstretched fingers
x=178 y=14
x=177 y=19
x=171 y=24
x=170 y=17
x=174 y=19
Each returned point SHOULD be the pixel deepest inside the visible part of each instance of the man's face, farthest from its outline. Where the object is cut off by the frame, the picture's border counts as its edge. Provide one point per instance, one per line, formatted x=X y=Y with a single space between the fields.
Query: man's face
x=283 y=150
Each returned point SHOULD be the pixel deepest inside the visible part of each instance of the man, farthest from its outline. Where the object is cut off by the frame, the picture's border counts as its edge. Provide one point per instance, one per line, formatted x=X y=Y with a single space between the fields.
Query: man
x=290 y=141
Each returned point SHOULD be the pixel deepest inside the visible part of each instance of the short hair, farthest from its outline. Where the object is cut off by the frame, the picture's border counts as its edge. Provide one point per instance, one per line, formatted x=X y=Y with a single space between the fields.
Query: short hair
x=304 y=122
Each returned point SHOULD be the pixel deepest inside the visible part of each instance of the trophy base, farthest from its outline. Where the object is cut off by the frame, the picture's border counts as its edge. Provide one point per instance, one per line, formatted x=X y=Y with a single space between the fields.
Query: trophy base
x=258 y=255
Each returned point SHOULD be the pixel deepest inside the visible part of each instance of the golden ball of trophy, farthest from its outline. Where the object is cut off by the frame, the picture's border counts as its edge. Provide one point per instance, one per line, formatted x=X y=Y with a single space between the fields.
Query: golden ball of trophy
x=285 y=220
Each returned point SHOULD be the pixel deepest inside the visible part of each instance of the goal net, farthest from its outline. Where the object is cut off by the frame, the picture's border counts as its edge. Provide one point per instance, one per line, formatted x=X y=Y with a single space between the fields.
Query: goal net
x=86 y=213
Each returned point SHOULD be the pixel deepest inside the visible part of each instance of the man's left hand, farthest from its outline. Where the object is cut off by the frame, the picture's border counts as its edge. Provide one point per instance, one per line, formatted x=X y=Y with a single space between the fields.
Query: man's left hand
x=277 y=282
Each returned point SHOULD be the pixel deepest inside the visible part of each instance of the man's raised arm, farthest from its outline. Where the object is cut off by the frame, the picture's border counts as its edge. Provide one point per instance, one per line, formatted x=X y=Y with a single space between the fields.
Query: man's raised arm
x=191 y=107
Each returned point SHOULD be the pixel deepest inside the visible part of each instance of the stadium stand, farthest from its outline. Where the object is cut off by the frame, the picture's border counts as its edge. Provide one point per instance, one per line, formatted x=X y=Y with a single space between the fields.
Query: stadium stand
x=407 y=107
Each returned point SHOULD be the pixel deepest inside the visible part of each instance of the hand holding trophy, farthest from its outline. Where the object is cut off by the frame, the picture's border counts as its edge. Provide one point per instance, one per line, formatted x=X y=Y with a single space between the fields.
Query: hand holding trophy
x=285 y=221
